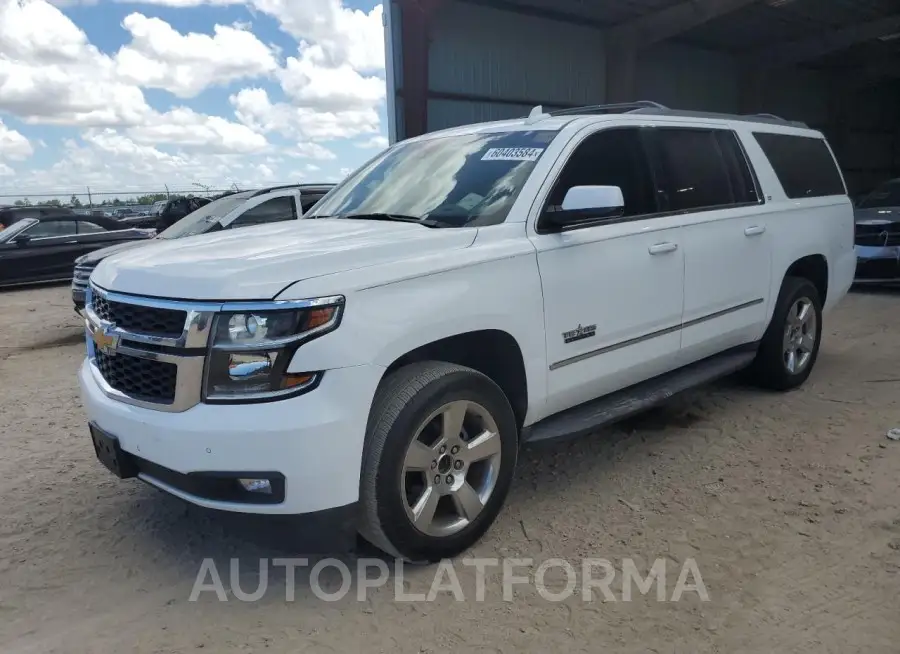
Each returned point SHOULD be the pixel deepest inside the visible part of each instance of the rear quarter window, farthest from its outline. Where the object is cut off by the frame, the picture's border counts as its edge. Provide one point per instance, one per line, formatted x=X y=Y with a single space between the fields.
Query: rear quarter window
x=803 y=164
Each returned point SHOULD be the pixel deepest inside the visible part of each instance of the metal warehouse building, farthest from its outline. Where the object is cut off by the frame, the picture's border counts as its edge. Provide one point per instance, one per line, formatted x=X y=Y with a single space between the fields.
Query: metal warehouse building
x=833 y=64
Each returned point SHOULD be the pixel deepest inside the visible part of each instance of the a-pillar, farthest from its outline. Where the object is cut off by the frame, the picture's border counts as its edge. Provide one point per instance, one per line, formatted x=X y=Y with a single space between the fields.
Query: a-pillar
x=415 y=23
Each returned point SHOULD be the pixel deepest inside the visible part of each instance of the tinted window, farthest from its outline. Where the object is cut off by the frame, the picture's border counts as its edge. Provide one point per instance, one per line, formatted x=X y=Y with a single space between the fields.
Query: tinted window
x=613 y=157
x=270 y=211
x=803 y=164
x=886 y=195
x=309 y=201
x=49 y=228
x=692 y=173
x=85 y=227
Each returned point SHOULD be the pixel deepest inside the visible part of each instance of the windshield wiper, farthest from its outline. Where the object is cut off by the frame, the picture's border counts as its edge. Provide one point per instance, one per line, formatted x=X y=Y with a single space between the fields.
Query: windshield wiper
x=392 y=217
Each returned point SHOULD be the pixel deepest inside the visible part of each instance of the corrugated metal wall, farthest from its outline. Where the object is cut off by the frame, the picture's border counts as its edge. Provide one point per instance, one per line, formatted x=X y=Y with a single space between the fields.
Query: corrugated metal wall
x=497 y=55
x=488 y=64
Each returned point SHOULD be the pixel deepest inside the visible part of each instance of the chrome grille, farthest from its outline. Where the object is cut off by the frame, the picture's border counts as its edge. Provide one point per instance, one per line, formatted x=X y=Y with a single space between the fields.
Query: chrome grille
x=145 y=379
x=140 y=318
x=82 y=275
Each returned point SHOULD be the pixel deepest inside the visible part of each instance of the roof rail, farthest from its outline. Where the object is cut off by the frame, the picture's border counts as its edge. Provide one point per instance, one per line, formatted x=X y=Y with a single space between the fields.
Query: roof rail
x=751 y=118
x=618 y=107
x=654 y=108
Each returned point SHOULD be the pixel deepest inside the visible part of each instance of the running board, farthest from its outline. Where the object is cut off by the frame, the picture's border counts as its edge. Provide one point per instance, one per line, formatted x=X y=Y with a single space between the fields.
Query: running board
x=588 y=417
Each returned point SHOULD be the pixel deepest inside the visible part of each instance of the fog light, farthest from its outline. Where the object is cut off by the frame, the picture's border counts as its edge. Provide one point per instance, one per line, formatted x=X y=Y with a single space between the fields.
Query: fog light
x=256 y=485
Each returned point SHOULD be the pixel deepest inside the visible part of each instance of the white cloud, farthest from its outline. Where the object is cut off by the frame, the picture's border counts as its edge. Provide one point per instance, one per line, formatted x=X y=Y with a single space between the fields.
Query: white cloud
x=51 y=74
x=185 y=64
x=185 y=127
x=313 y=81
x=108 y=160
x=347 y=36
x=254 y=108
x=13 y=145
x=375 y=143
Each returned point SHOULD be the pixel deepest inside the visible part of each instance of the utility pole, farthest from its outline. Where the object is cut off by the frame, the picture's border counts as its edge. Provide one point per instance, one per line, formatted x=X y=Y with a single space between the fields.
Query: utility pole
x=90 y=201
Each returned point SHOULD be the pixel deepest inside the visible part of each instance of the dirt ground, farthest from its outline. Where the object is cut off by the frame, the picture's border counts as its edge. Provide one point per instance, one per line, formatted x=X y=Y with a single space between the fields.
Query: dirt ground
x=789 y=505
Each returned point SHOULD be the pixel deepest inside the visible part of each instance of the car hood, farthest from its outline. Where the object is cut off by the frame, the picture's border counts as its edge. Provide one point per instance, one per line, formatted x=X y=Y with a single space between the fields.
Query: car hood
x=95 y=257
x=256 y=263
x=877 y=216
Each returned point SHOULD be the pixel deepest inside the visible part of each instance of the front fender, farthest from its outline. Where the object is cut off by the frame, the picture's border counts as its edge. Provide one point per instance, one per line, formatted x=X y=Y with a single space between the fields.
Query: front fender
x=383 y=322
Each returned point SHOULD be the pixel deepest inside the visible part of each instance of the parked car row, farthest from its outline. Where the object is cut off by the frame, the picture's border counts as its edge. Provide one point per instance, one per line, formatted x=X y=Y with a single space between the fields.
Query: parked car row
x=49 y=244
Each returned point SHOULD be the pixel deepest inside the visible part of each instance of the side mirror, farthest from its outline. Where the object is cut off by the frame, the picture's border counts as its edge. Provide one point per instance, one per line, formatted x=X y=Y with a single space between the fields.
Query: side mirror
x=586 y=204
x=22 y=240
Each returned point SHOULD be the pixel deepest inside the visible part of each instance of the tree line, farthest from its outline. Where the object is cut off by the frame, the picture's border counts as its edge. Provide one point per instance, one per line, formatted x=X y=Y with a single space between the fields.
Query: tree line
x=76 y=203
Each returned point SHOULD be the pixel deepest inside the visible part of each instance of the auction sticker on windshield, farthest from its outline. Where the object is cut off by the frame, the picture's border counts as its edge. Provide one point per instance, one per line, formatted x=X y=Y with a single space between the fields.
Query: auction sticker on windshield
x=512 y=154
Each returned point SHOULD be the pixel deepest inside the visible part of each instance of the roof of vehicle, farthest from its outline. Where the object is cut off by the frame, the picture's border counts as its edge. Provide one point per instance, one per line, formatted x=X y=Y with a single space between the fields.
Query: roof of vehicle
x=103 y=221
x=310 y=188
x=639 y=111
x=36 y=207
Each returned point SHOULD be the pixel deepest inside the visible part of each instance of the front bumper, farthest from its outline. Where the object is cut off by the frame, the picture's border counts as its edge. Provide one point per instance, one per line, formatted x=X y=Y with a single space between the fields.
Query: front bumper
x=314 y=441
x=877 y=265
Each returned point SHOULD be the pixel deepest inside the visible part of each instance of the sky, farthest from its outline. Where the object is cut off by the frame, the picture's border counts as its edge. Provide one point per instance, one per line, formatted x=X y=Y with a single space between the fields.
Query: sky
x=131 y=95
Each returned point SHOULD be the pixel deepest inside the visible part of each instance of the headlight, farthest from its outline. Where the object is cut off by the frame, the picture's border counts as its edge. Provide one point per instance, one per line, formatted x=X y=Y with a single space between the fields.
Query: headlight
x=252 y=346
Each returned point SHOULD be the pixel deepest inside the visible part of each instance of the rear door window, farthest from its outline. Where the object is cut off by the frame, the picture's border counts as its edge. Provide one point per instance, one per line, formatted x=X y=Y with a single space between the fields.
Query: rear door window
x=803 y=164
x=85 y=227
x=270 y=211
x=691 y=170
x=51 y=228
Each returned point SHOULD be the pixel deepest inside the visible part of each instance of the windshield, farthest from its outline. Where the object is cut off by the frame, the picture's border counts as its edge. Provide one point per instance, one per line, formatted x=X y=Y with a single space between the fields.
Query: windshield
x=205 y=218
x=450 y=181
x=16 y=228
x=886 y=195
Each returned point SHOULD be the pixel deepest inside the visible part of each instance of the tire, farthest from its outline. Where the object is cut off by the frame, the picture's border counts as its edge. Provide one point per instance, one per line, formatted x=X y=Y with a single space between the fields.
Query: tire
x=771 y=368
x=407 y=408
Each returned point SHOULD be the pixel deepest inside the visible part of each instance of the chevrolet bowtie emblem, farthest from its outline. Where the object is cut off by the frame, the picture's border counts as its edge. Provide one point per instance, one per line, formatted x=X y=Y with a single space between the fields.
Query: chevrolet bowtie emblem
x=105 y=340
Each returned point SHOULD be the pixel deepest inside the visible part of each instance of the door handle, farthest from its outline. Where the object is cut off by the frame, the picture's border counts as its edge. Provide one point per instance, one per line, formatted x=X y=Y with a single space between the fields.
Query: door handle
x=662 y=248
x=756 y=230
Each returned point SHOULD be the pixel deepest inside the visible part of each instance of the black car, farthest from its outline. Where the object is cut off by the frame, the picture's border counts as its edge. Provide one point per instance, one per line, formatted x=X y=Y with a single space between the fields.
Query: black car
x=44 y=248
x=240 y=209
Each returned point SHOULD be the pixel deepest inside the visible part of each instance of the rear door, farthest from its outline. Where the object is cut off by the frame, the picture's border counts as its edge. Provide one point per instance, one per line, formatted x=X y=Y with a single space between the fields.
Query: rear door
x=704 y=177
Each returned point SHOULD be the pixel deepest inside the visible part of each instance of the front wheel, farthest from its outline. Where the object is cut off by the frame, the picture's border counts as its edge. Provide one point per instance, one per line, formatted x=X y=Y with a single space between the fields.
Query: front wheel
x=441 y=450
x=790 y=345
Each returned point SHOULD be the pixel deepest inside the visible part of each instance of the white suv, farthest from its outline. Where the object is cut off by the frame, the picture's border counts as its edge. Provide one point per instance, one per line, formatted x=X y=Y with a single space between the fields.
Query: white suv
x=377 y=366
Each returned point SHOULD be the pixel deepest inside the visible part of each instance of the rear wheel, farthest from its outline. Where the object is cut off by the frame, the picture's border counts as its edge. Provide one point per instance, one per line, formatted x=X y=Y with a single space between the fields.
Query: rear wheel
x=790 y=346
x=440 y=455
